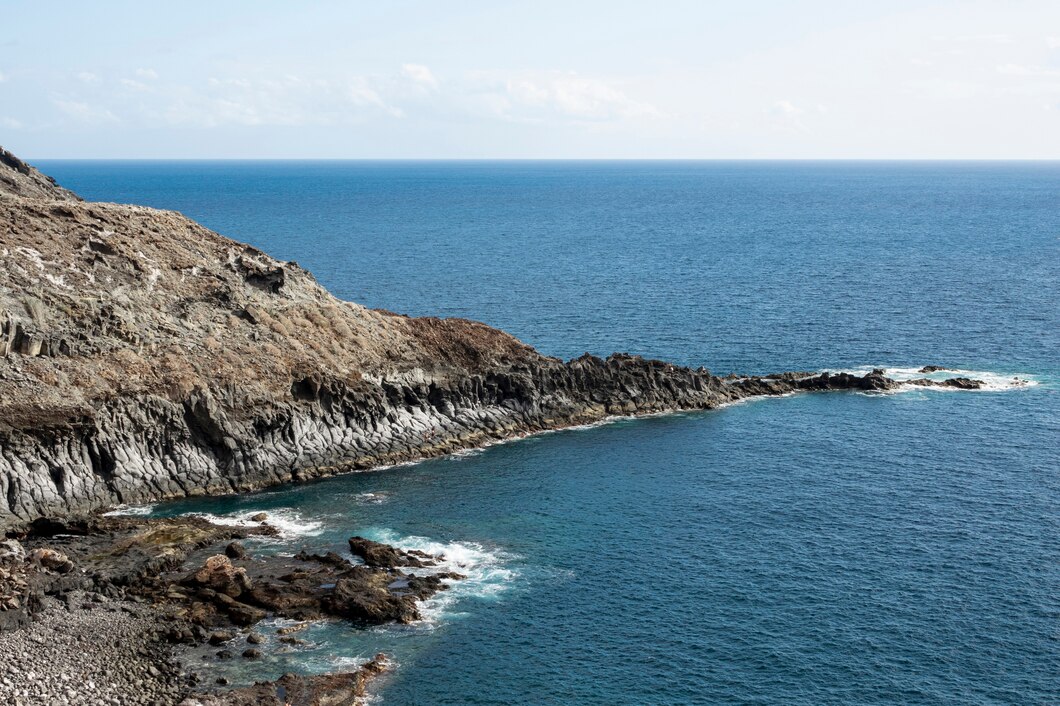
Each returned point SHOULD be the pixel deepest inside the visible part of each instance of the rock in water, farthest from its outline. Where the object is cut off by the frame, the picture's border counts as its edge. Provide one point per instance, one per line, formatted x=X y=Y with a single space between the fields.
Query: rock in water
x=235 y=550
x=343 y=689
x=379 y=554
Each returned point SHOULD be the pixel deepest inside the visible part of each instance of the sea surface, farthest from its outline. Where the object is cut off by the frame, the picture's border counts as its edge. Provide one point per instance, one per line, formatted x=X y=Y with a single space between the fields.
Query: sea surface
x=817 y=549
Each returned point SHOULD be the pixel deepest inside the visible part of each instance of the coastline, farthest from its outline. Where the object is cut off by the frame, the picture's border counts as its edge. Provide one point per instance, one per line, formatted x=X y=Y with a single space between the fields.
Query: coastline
x=135 y=584
x=217 y=370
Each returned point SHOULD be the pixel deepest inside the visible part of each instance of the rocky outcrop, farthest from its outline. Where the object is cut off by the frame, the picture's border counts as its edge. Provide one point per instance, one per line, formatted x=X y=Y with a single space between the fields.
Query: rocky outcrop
x=243 y=592
x=20 y=179
x=143 y=357
x=114 y=601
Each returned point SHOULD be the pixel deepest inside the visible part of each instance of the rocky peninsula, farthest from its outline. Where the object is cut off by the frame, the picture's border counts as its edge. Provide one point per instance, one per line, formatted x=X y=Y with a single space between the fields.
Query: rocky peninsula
x=145 y=357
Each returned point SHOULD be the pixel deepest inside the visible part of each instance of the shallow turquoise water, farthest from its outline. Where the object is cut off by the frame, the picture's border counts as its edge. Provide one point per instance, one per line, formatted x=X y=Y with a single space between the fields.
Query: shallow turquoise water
x=842 y=548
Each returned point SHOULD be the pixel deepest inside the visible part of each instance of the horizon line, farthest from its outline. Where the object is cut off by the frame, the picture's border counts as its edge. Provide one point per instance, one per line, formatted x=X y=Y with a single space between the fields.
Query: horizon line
x=549 y=159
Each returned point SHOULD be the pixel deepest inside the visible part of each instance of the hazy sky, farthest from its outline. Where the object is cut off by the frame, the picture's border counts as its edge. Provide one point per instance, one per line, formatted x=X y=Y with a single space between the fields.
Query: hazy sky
x=576 y=79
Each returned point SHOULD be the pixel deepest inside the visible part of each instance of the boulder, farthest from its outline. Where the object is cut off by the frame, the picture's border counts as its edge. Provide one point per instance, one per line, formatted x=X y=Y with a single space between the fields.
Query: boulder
x=219 y=637
x=238 y=612
x=52 y=559
x=236 y=550
x=218 y=574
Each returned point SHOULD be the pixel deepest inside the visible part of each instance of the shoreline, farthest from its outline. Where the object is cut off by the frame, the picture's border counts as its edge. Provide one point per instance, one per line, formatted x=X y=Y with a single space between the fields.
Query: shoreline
x=140 y=604
x=118 y=611
x=311 y=475
x=427 y=425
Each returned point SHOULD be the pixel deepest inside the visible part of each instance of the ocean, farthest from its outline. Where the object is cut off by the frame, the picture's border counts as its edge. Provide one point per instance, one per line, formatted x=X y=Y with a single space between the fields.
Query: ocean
x=817 y=549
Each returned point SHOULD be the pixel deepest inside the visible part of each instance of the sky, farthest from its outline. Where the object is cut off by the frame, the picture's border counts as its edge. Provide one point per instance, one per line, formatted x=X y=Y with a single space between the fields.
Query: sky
x=577 y=79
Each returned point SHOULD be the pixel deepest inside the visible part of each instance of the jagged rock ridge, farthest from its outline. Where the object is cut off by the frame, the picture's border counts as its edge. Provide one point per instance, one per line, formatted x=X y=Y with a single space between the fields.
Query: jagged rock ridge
x=143 y=356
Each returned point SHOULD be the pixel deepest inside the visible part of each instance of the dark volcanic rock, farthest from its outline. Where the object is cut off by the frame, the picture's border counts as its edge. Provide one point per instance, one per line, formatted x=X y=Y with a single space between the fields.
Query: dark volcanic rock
x=235 y=550
x=363 y=595
x=378 y=554
x=955 y=383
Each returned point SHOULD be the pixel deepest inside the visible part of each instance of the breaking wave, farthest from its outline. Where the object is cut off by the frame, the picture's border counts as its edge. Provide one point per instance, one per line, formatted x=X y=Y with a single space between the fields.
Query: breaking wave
x=130 y=510
x=487 y=571
x=289 y=523
x=992 y=381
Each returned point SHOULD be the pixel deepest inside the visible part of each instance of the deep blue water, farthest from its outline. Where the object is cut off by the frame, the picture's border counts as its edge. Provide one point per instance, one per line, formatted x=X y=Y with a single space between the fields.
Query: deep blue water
x=822 y=549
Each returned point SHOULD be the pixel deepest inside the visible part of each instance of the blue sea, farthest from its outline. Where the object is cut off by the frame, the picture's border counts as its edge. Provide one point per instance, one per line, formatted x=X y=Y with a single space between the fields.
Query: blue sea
x=817 y=549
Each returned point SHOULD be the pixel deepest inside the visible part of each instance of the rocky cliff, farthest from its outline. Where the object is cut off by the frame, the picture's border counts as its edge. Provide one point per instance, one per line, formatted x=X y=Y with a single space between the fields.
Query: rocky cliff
x=143 y=356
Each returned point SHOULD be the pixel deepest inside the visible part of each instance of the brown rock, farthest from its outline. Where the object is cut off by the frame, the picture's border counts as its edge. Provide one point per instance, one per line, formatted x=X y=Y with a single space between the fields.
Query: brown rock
x=221 y=636
x=220 y=575
x=52 y=559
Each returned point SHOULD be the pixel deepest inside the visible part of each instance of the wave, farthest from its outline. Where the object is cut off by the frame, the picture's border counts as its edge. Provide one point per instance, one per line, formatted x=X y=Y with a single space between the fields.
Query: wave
x=371 y=498
x=130 y=510
x=289 y=523
x=486 y=569
x=992 y=381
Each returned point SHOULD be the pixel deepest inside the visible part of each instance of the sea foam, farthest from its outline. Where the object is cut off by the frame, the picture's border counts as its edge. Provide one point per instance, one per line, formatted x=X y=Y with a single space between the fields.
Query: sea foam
x=992 y=381
x=289 y=523
x=130 y=510
x=487 y=571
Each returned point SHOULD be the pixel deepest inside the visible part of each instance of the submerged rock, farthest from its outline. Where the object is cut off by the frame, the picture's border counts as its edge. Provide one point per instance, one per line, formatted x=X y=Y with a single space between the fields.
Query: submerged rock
x=959 y=383
x=343 y=689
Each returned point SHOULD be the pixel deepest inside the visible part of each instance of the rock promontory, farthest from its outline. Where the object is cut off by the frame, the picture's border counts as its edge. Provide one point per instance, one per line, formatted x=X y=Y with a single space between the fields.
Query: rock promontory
x=143 y=356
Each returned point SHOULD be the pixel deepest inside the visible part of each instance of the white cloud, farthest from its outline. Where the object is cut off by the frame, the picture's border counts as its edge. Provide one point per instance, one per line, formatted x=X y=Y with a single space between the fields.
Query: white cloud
x=420 y=75
x=361 y=93
x=566 y=96
x=280 y=101
x=2 y=77
x=1030 y=71
x=87 y=77
x=134 y=85
x=976 y=39
x=84 y=112
x=786 y=108
x=10 y=123
x=1053 y=42
x=149 y=74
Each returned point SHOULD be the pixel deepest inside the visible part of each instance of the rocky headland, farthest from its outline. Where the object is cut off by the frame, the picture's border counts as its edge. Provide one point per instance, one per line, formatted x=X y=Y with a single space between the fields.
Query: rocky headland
x=144 y=357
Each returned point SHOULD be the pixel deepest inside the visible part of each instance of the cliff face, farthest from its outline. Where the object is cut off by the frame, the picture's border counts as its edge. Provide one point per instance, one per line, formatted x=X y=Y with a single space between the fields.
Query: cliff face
x=143 y=356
